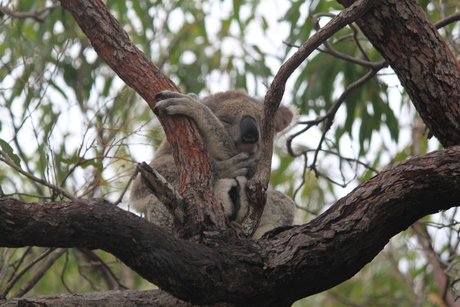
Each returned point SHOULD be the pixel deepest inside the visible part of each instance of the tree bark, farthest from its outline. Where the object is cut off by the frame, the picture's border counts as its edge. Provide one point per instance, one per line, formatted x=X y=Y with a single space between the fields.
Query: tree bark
x=402 y=33
x=257 y=185
x=284 y=266
x=287 y=264
x=112 y=44
x=127 y=298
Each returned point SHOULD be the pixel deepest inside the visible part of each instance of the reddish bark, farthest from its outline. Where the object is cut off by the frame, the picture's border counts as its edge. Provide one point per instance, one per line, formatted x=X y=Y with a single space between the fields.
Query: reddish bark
x=113 y=45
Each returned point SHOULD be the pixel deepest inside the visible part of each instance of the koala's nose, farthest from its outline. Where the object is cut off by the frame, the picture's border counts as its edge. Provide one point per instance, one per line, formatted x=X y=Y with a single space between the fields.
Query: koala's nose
x=249 y=130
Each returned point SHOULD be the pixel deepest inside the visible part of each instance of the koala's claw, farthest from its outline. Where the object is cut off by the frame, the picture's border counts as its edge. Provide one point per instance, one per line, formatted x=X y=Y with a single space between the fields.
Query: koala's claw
x=168 y=94
x=238 y=165
x=174 y=103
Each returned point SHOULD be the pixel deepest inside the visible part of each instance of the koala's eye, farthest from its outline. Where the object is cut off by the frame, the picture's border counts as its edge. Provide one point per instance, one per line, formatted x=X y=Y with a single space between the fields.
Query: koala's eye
x=226 y=121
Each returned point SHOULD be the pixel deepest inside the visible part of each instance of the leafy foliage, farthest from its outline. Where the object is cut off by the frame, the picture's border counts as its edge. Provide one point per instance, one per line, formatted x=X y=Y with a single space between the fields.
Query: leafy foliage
x=67 y=119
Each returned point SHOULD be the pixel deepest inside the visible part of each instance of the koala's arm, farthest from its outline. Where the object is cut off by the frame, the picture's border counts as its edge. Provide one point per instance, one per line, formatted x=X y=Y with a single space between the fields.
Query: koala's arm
x=219 y=143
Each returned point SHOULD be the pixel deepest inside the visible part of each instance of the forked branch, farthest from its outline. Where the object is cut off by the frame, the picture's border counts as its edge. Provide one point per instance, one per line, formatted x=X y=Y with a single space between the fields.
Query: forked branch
x=293 y=263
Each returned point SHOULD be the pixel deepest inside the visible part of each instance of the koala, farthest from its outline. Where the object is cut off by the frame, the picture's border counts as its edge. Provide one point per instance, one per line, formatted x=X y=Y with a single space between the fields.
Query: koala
x=229 y=124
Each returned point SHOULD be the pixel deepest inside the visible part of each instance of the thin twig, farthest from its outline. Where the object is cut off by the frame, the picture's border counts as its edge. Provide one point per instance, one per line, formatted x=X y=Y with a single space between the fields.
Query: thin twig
x=131 y=178
x=356 y=39
x=13 y=281
x=6 y=159
x=39 y=14
x=448 y=20
x=26 y=287
x=330 y=50
x=18 y=263
x=95 y=261
x=330 y=115
x=66 y=262
x=304 y=174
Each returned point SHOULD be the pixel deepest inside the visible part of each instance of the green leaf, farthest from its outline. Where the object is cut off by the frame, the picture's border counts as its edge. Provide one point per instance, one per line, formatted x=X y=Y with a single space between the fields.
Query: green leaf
x=92 y=162
x=9 y=151
x=83 y=163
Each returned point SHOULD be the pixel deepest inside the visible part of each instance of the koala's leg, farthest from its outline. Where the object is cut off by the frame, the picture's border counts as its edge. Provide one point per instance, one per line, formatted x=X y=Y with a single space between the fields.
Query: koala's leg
x=279 y=211
x=219 y=143
x=230 y=194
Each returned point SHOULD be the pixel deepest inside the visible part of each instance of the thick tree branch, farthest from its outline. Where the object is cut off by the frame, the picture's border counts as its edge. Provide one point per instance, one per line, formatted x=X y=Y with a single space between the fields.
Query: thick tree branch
x=113 y=45
x=360 y=224
x=279 y=269
x=402 y=33
x=155 y=298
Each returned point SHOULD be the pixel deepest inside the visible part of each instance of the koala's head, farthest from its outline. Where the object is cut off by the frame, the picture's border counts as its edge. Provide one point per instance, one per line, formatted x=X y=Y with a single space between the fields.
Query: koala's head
x=241 y=114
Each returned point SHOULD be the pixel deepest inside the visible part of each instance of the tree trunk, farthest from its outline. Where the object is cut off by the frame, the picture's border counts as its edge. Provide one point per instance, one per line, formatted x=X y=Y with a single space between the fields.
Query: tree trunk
x=112 y=44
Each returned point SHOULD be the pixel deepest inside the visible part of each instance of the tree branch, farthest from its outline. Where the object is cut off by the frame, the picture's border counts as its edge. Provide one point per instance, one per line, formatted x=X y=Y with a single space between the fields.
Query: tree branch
x=113 y=45
x=448 y=20
x=155 y=298
x=276 y=90
x=402 y=33
x=257 y=186
x=7 y=160
x=39 y=15
x=38 y=274
x=279 y=269
x=165 y=193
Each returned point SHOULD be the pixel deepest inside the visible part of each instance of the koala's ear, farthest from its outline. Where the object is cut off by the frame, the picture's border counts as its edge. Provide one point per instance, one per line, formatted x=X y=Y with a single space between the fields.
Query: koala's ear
x=283 y=118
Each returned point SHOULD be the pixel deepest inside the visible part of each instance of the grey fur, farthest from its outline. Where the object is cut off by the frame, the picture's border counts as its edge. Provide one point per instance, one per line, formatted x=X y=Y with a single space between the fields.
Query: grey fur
x=229 y=123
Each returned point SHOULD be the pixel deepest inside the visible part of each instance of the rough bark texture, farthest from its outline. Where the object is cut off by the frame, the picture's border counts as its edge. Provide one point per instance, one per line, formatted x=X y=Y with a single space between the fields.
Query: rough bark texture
x=277 y=270
x=287 y=264
x=402 y=33
x=113 y=45
x=151 y=298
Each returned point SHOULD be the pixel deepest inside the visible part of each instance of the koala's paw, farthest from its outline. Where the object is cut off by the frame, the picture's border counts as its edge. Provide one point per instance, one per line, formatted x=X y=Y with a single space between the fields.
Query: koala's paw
x=173 y=103
x=238 y=165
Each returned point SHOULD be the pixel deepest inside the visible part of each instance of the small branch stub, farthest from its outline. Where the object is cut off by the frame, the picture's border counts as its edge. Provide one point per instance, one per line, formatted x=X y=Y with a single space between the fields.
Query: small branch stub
x=165 y=192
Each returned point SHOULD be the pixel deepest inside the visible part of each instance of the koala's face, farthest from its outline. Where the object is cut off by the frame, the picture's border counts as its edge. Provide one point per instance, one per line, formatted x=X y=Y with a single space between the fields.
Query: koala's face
x=240 y=114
